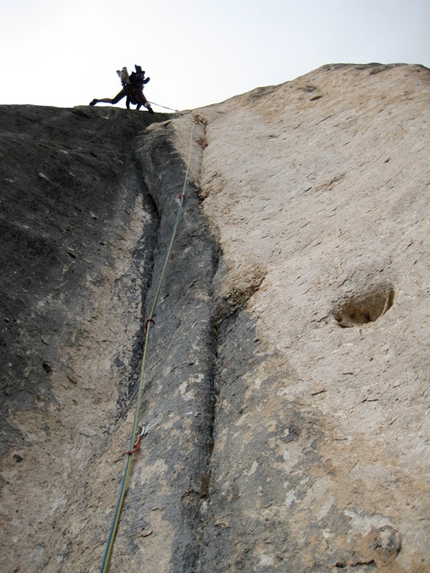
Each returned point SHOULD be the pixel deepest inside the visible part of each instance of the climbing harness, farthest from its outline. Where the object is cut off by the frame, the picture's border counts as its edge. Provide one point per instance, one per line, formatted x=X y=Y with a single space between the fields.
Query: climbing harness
x=138 y=432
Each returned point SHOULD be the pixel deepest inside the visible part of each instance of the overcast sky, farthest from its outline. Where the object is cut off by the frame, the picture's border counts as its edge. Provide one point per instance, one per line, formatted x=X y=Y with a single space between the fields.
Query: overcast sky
x=197 y=52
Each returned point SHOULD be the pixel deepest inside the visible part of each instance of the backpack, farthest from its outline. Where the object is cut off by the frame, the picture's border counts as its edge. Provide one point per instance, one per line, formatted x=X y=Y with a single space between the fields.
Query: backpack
x=123 y=76
x=138 y=77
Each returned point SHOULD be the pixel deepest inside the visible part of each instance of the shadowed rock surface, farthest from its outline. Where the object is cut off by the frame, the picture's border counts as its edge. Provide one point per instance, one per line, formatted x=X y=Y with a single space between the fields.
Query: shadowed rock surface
x=286 y=389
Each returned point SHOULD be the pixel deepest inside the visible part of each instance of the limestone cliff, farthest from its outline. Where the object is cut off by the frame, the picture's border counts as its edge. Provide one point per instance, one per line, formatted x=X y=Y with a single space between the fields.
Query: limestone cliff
x=286 y=390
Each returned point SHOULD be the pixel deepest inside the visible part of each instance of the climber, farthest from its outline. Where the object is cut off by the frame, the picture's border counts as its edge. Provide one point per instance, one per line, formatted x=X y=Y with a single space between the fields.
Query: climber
x=132 y=87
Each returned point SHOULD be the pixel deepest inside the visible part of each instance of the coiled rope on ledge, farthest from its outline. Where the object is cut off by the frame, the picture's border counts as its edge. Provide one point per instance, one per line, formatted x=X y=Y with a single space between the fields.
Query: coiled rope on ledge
x=135 y=438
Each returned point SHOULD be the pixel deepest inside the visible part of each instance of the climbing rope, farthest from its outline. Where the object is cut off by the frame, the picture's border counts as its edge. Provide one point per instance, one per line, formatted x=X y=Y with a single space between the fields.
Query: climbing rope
x=135 y=437
x=164 y=107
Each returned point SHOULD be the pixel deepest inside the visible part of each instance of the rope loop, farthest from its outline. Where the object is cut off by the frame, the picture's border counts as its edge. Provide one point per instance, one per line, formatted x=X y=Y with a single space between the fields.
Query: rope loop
x=145 y=330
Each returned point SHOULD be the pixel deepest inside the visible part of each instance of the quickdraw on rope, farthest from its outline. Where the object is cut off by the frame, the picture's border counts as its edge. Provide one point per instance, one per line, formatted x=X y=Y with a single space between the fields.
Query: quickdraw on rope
x=145 y=330
x=136 y=448
x=136 y=437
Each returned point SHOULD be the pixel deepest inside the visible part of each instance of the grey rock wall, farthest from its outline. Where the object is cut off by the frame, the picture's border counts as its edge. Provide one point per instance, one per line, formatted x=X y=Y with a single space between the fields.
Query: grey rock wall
x=286 y=388
x=78 y=229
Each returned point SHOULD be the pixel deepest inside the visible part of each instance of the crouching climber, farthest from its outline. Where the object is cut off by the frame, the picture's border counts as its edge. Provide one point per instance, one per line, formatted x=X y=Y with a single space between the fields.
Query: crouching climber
x=132 y=88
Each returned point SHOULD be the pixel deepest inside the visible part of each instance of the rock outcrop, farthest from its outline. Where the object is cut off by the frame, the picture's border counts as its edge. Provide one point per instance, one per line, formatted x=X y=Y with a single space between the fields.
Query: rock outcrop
x=286 y=388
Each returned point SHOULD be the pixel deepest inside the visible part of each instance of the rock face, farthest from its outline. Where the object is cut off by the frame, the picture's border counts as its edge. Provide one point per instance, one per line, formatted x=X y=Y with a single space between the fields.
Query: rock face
x=286 y=387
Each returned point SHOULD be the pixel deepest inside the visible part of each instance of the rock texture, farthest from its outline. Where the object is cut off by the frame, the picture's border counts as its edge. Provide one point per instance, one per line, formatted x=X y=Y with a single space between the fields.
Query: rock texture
x=286 y=390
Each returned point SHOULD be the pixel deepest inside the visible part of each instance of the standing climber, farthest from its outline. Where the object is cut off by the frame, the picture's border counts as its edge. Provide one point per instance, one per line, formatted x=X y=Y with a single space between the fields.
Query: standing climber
x=132 y=87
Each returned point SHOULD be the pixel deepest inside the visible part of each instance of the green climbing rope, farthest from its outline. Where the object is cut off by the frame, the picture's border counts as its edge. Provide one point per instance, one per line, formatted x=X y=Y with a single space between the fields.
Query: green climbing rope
x=120 y=502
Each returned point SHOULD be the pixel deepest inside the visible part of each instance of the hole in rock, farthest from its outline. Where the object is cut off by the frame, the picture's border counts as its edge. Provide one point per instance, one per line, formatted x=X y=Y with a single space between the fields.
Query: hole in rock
x=365 y=307
x=47 y=367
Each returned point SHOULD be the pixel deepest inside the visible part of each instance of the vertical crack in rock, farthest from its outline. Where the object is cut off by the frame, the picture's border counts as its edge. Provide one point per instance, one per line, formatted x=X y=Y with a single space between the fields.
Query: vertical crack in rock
x=170 y=475
x=141 y=272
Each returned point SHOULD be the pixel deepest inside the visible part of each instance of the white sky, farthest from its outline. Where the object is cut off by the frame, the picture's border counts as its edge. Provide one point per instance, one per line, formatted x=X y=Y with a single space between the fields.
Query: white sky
x=197 y=52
